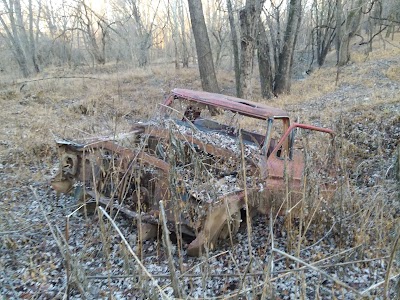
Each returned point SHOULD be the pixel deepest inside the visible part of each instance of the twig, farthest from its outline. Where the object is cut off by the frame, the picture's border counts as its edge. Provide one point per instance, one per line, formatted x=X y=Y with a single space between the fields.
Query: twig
x=7 y=279
x=222 y=275
x=337 y=281
x=370 y=40
x=288 y=272
x=234 y=261
x=353 y=262
x=10 y=189
x=167 y=275
x=246 y=199
x=285 y=273
x=58 y=77
x=185 y=274
x=321 y=239
x=390 y=264
x=65 y=297
x=67 y=262
x=244 y=276
x=108 y=202
x=270 y=266
x=14 y=231
x=202 y=262
x=392 y=44
x=62 y=247
x=372 y=287
x=167 y=242
x=133 y=253
x=73 y=269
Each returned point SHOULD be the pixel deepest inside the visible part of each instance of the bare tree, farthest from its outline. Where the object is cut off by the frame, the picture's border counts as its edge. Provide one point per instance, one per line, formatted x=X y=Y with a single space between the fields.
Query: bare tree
x=391 y=17
x=248 y=18
x=203 y=48
x=135 y=29
x=143 y=34
x=32 y=39
x=140 y=31
x=264 y=62
x=220 y=35
x=50 y=19
x=173 y=21
x=176 y=19
x=324 y=30
x=94 y=31
x=235 y=47
x=217 y=26
x=338 y=13
x=351 y=25
x=372 y=26
x=185 y=50
x=22 y=47
x=284 y=70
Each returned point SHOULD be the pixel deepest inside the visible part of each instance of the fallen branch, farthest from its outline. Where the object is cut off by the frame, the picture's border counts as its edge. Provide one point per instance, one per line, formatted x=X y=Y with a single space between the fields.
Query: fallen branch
x=390 y=264
x=337 y=281
x=23 y=83
x=167 y=243
x=133 y=253
x=370 y=40
x=63 y=248
x=372 y=287
x=224 y=275
x=58 y=77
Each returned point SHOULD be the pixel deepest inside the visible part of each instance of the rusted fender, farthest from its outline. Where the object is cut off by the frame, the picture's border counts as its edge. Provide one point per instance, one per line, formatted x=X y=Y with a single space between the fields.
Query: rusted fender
x=215 y=222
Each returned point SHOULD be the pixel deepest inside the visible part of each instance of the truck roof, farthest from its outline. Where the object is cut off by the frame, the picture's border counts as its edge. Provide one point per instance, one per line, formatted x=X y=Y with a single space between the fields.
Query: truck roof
x=241 y=106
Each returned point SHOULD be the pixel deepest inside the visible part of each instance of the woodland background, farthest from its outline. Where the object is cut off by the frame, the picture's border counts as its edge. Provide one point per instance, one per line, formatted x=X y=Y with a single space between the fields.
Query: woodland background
x=284 y=39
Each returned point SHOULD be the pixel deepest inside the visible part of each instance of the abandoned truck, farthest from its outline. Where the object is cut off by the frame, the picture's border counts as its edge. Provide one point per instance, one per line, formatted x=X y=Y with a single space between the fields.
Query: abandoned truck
x=207 y=156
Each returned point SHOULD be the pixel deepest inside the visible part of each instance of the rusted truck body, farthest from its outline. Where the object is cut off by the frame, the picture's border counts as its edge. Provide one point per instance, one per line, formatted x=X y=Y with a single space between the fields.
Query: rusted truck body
x=207 y=156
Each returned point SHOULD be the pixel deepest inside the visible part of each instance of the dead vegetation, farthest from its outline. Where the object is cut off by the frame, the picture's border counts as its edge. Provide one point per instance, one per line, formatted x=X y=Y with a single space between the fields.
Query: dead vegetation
x=347 y=248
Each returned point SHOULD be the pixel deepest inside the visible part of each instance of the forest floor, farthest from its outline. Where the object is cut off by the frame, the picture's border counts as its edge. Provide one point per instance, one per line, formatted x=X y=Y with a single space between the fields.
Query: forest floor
x=353 y=242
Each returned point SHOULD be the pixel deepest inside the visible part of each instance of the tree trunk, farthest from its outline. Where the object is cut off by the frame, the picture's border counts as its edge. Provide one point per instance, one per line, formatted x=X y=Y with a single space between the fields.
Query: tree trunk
x=248 y=19
x=338 y=27
x=324 y=28
x=235 y=47
x=17 y=51
x=143 y=58
x=344 y=50
x=86 y=17
x=173 y=20
x=203 y=48
x=32 y=39
x=351 y=26
x=143 y=36
x=264 y=63
x=185 y=51
x=13 y=35
x=283 y=75
x=23 y=37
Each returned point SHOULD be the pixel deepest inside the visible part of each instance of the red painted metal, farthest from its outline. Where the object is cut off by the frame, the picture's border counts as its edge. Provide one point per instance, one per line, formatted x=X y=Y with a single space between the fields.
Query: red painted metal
x=242 y=106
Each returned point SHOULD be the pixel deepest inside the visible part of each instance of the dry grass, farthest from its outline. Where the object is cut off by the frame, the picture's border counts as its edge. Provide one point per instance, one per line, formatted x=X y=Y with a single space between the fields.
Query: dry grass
x=78 y=105
x=393 y=73
x=362 y=221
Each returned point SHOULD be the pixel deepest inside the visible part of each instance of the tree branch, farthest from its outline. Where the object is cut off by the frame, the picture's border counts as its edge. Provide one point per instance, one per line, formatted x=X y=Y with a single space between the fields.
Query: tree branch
x=370 y=40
